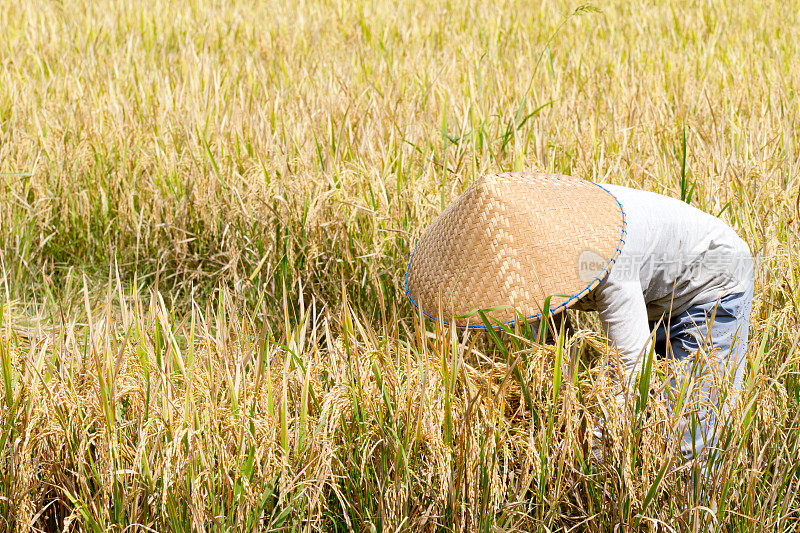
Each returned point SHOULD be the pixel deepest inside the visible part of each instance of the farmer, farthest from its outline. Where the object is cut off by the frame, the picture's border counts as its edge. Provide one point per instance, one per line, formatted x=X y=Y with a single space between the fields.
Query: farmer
x=654 y=268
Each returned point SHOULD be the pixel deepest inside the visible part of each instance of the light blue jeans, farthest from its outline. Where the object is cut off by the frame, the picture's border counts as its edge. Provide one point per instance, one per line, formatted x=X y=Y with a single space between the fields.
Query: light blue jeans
x=681 y=336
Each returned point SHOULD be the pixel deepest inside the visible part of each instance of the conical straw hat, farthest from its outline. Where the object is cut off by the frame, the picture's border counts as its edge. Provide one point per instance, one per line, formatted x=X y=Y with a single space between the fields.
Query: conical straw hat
x=510 y=241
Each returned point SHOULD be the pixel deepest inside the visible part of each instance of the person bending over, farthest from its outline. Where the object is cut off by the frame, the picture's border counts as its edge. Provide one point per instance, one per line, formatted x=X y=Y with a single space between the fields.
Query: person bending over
x=657 y=270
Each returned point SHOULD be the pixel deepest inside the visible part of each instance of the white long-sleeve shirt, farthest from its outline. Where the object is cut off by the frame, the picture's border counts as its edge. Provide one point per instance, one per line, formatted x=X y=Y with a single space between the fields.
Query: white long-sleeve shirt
x=674 y=256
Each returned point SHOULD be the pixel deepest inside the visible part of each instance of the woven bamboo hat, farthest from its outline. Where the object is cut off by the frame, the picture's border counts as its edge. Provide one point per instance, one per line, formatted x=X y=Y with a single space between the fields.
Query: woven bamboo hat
x=510 y=241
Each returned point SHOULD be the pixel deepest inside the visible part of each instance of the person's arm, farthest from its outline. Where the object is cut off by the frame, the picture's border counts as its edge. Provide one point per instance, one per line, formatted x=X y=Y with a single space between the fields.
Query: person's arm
x=623 y=313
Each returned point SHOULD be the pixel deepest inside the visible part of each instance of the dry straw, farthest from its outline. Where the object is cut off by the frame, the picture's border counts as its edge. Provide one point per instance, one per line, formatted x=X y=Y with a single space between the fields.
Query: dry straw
x=243 y=433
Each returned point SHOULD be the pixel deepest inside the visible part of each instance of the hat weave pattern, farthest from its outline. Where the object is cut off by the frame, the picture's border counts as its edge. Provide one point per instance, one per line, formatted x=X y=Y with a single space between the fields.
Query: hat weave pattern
x=511 y=240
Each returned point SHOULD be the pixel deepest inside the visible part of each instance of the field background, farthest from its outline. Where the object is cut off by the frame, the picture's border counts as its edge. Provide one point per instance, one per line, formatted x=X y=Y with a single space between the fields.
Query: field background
x=205 y=213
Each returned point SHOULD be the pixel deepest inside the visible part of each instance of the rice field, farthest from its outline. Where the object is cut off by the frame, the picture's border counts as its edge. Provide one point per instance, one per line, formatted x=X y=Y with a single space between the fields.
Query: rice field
x=206 y=208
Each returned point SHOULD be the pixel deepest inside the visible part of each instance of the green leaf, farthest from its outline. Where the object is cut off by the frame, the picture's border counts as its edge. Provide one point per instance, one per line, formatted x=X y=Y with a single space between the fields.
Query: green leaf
x=651 y=493
x=559 y=358
x=517 y=374
x=644 y=380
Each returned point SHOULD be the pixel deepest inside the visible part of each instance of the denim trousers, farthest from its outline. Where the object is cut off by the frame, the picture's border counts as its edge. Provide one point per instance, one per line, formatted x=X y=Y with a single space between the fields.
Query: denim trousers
x=721 y=329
